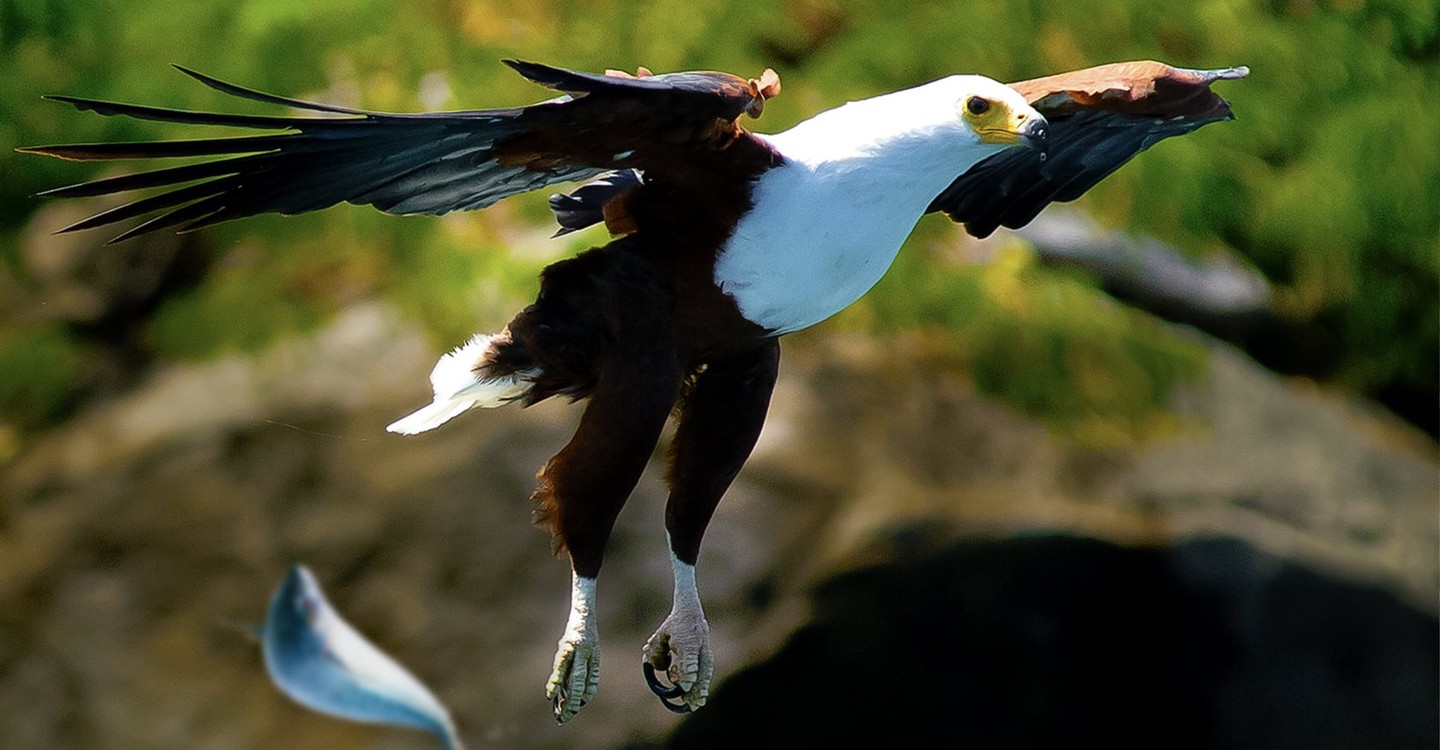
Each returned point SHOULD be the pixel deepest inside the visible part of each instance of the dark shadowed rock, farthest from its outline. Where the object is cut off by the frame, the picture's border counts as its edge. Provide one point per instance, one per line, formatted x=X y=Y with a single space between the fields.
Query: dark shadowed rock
x=1045 y=642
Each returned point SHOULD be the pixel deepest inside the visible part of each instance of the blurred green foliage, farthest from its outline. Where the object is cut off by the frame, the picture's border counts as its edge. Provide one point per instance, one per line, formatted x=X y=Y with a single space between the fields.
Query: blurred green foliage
x=1329 y=182
x=39 y=366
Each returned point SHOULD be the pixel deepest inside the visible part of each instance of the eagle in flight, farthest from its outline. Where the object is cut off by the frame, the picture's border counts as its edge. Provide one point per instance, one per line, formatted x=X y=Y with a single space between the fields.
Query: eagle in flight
x=724 y=239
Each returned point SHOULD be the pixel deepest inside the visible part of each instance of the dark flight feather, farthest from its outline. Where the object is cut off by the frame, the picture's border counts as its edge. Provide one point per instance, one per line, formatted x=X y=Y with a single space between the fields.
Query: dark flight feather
x=1099 y=118
x=426 y=163
x=585 y=206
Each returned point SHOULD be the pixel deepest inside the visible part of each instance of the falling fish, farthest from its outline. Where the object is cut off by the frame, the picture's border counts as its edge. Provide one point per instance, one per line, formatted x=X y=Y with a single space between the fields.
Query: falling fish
x=322 y=662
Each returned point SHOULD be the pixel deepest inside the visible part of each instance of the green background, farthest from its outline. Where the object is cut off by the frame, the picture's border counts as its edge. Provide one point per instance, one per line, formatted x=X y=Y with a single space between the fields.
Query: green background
x=1328 y=183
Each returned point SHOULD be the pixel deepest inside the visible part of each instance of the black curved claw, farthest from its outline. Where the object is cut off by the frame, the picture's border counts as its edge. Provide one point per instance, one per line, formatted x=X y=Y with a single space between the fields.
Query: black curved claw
x=675 y=708
x=666 y=693
x=660 y=689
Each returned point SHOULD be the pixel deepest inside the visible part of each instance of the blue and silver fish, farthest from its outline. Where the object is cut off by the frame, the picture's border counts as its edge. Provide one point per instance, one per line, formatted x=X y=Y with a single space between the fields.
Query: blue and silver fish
x=321 y=661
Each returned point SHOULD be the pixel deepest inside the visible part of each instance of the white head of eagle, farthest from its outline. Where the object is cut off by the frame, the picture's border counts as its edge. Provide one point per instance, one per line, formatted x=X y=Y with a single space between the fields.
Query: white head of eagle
x=944 y=125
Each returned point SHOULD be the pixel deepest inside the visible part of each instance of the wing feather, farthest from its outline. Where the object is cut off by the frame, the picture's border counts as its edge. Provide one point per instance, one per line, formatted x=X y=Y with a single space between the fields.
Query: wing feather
x=428 y=163
x=1099 y=119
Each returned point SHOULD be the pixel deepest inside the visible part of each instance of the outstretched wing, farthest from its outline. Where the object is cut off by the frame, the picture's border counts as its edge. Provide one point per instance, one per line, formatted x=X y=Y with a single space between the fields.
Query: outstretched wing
x=1099 y=118
x=429 y=163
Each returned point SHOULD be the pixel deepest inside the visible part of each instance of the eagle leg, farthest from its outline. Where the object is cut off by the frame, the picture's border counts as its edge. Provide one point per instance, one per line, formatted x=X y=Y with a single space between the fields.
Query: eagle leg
x=680 y=649
x=719 y=421
x=576 y=676
x=637 y=377
x=586 y=484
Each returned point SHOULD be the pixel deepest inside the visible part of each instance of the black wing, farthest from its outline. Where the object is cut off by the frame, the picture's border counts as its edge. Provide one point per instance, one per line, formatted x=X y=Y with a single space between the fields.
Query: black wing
x=1099 y=118
x=430 y=163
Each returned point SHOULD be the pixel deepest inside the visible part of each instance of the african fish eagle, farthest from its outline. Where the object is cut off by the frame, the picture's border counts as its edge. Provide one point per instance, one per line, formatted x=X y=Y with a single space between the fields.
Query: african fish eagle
x=724 y=240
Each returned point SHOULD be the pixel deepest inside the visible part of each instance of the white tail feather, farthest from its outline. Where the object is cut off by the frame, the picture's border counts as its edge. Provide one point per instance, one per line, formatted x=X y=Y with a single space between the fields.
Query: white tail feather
x=429 y=417
x=460 y=386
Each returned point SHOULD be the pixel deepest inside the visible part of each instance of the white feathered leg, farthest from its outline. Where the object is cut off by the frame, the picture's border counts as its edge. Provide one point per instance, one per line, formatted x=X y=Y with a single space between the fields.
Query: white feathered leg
x=576 y=676
x=680 y=648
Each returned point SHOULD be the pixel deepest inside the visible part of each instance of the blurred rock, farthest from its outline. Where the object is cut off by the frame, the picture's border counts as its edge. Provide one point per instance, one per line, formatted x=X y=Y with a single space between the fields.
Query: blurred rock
x=1044 y=642
x=1150 y=274
x=892 y=437
x=98 y=299
x=135 y=536
x=78 y=279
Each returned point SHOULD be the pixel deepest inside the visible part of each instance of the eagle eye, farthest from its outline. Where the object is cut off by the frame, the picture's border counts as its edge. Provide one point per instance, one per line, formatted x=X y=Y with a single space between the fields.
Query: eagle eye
x=977 y=105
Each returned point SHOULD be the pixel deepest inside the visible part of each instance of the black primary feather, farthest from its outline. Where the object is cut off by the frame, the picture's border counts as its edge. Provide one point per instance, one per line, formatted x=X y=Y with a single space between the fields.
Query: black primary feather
x=1099 y=119
x=426 y=163
x=430 y=163
x=1011 y=188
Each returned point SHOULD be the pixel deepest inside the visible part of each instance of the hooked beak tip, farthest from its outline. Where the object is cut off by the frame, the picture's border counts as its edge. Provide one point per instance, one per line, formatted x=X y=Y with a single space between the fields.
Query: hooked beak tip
x=1036 y=134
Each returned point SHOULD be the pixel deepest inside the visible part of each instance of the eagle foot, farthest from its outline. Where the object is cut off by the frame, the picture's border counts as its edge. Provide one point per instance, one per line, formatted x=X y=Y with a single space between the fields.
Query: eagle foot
x=677 y=662
x=576 y=676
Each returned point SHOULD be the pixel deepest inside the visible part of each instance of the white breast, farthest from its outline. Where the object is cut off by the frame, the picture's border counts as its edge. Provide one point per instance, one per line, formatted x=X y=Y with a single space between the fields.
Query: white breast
x=814 y=243
x=826 y=225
